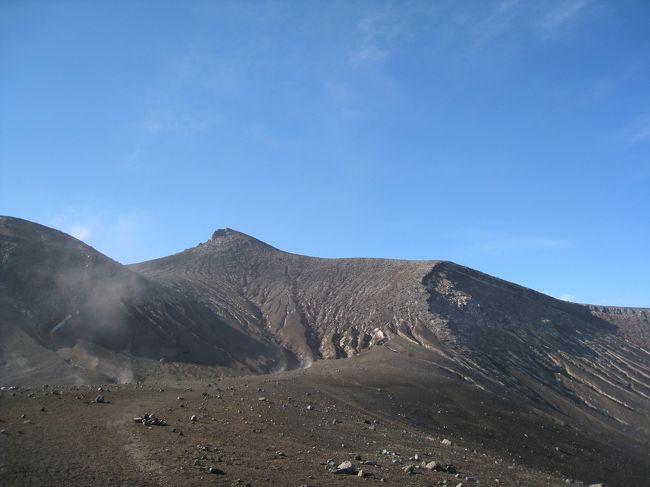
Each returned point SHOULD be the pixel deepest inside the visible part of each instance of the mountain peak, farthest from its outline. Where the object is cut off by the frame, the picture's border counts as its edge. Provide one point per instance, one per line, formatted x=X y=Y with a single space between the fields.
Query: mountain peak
x=229 y=237
x=228 y=233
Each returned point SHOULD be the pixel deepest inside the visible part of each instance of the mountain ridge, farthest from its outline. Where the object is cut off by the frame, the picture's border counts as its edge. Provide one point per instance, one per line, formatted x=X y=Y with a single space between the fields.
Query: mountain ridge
x=434 y=332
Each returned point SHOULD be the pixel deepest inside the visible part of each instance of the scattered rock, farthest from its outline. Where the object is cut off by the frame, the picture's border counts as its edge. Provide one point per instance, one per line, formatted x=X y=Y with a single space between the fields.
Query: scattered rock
x=149 y=419
x=100 y=399
x=409 y=469
x=446 y=442
x=194 y=418
x=346 y=467
x=216 y=471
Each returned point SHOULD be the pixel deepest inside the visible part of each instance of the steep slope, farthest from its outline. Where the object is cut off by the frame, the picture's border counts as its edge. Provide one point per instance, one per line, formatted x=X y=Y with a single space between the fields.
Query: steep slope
x=331 y=308
x=316 y=308
x=61 y=300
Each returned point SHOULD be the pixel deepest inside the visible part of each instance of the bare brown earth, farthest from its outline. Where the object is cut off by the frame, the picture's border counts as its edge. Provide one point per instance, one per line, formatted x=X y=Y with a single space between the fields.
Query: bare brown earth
x=529 y=389
x=361 y=406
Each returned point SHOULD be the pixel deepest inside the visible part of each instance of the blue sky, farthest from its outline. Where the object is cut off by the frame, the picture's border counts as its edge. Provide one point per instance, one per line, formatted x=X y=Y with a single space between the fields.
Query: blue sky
x=511 y=136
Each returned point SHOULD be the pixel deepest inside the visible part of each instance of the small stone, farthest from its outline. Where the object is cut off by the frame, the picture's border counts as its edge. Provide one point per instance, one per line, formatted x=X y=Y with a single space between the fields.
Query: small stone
x=194 y=418
x=346 y=467
x=216 y=471
x=409 y=469
x=446 y=442
x=100 y=399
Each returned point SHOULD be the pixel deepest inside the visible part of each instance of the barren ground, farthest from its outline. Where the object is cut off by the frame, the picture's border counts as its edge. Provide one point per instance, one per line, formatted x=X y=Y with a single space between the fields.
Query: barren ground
x=359 y=407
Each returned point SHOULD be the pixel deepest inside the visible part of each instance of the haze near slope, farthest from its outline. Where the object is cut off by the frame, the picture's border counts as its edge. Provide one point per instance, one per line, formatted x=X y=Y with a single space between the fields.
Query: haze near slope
x=63 y=303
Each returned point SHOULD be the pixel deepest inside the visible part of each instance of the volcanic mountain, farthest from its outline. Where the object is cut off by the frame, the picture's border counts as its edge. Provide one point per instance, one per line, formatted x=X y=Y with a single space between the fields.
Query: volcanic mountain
x=234 y=305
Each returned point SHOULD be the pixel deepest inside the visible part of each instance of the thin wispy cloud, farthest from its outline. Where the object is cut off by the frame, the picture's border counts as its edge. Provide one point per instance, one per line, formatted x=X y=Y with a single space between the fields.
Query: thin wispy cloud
x=80 y=232
x=165 y=122
x=498 y=27
x=378 y=34
x=558 y=15
x=568 y=297
x=172 y=122
x=638 y=131
x=115 y=234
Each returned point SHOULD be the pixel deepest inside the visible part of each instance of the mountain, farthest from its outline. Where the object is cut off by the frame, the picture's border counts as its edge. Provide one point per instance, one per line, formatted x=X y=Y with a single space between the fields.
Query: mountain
x=73 y=314
x=476 y=346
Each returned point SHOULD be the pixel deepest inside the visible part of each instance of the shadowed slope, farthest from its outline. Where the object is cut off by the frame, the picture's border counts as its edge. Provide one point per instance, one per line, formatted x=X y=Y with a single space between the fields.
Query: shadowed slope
x=63 y=295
